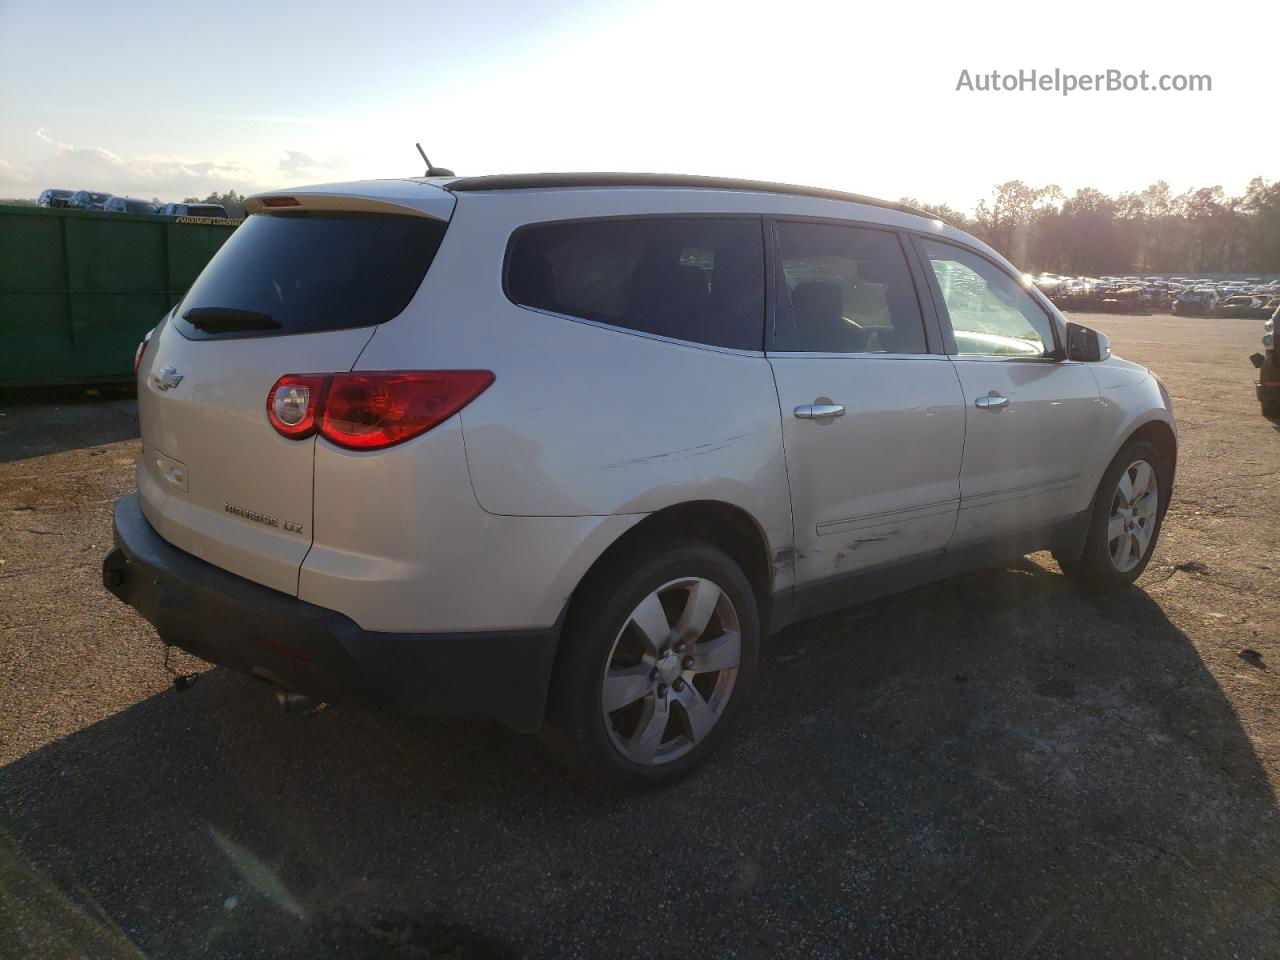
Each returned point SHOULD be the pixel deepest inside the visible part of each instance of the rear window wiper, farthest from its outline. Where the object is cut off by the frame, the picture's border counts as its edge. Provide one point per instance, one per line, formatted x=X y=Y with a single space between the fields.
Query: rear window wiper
x=229 y=319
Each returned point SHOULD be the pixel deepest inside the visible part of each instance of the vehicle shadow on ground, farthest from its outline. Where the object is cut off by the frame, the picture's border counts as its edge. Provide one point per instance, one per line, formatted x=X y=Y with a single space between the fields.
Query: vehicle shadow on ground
x=993 y=766
x=53 y=422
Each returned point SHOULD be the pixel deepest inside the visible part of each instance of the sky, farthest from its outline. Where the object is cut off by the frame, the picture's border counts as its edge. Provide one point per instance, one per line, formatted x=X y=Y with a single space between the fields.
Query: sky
x=157 y=98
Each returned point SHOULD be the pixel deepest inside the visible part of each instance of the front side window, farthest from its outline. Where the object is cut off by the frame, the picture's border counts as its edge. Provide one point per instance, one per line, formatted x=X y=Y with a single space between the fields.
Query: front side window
x=991 y=314
x=689 y=278
x=845 y=289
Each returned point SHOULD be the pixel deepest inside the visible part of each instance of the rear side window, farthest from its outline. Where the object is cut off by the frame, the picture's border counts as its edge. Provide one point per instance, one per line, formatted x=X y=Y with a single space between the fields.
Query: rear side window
x=689 y=278
x=300 y=272
x=846 y=289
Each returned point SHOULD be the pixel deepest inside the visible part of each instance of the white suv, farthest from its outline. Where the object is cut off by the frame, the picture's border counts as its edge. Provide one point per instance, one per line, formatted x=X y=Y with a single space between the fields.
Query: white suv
x=566 y=447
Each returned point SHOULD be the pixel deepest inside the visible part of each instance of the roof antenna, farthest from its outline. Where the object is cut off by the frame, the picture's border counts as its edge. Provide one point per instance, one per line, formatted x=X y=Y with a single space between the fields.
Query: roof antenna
x=433 y=171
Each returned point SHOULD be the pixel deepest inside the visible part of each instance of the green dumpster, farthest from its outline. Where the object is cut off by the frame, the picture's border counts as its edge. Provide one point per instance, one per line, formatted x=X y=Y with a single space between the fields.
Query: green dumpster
x=79 y=289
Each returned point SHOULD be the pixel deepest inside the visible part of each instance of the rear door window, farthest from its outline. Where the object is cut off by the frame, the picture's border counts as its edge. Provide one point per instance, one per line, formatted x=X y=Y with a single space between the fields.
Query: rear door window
x=845 y=289
x=303 y=272
x=690 y=278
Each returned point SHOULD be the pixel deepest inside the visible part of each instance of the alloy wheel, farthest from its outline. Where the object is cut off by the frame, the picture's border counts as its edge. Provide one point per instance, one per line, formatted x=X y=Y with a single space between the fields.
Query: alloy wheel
x=671 y=671
x=1134 y=508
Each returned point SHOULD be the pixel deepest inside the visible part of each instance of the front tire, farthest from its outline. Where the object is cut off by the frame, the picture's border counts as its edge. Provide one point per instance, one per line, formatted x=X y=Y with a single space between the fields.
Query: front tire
x=658 y=656
x=1128 y=510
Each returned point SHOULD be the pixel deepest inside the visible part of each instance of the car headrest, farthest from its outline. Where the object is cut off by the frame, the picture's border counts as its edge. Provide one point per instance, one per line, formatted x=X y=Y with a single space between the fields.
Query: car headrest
x=817 y=303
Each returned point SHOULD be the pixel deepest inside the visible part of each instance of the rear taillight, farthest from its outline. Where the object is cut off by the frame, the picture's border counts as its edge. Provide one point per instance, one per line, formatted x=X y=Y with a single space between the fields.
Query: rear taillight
x=293 y=405
x=138 y=354
x=369 y=411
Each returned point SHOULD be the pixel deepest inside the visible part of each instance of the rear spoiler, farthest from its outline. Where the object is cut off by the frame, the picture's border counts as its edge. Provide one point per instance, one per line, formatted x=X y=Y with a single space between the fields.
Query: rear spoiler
x=403 y=197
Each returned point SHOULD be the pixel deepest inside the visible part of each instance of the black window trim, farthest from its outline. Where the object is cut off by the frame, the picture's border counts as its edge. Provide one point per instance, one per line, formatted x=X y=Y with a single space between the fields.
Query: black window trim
x=617 y=328
x=935 y=342
x=1056 y=355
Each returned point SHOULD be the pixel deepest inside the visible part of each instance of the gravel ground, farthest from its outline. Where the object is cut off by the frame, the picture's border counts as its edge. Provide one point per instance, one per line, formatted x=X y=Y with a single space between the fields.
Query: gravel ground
x=996 y=766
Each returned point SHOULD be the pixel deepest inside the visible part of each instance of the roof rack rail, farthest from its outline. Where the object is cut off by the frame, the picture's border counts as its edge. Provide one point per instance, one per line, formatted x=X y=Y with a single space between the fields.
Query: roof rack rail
x=535 y=181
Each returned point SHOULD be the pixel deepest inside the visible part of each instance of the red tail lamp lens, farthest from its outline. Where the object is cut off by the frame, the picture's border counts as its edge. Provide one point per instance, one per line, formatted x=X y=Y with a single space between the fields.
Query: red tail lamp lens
x=366 y=411
x=293 y=405
x=140 y=352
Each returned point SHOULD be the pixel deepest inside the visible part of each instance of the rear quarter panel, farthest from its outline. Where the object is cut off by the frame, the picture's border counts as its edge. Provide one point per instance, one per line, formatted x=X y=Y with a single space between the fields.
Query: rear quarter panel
x=582 y=419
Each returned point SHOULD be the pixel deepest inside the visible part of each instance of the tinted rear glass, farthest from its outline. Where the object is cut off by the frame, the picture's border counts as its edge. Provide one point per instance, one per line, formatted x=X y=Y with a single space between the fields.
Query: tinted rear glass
x=690 y=278
x=309 y=272
x=204 y=210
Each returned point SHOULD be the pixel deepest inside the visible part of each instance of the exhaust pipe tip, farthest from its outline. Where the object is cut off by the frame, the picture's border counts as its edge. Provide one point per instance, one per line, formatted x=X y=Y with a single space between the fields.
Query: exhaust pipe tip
x=291 y=702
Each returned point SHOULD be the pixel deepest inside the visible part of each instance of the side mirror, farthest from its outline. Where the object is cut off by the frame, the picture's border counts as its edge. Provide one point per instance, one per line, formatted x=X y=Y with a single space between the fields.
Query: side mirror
x=1257 y=360
x=1086 y=345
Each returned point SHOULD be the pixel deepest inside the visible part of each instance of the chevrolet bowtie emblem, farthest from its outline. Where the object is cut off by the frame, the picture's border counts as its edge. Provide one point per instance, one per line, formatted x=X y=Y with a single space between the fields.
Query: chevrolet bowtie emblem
x=166 y=378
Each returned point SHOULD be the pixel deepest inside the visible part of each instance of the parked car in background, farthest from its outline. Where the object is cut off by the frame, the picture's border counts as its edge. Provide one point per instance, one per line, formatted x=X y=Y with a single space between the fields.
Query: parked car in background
x=87 y=200
x=53 y=198
x=1125 y=297
x=128 y=205
x=541 y=447
x=1196 y=302
x=193 y=210
x=1240 y=305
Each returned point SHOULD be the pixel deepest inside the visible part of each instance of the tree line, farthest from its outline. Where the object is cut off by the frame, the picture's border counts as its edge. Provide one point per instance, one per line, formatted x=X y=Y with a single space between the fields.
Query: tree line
x=1151 y=231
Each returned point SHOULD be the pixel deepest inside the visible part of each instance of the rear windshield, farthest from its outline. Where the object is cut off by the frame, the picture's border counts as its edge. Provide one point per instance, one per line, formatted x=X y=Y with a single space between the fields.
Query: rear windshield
x=205 y=210
x=138 y=206
x=296 y=272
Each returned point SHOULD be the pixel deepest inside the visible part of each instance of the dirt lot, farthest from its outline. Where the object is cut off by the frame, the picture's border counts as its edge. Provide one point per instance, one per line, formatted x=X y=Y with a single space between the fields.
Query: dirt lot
x=994 y=767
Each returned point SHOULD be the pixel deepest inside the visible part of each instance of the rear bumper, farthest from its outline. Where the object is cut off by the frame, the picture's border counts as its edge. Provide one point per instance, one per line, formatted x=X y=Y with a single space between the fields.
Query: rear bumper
x=1267 y=391
x=299 y=646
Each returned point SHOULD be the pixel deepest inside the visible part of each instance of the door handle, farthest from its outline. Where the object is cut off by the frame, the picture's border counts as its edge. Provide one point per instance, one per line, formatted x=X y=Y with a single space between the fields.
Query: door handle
x=992 y=401
x=819 y=411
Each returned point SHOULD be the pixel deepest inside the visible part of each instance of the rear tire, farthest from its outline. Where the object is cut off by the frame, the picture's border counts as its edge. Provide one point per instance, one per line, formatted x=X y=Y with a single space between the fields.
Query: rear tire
x=1124 y=526
x=1271 y=409
x=657 y=658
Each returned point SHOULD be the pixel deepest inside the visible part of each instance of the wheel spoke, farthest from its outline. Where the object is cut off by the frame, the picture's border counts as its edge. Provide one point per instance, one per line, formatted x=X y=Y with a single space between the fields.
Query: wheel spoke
x=651 y=620
x=701 y=604
x=1142 y=478
x=722 y=653
x=1115 y=528
x=700 y=716
x=647 y=738
x=1130 y=546
x=1121 y=553
x=1147 y=505
x=1142 y=537
x=1126 y=488
x=625 y=685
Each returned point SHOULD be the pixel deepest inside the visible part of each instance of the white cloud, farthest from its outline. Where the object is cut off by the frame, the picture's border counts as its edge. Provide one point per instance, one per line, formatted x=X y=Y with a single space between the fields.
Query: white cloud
x=299 y=164
x=74 y=167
